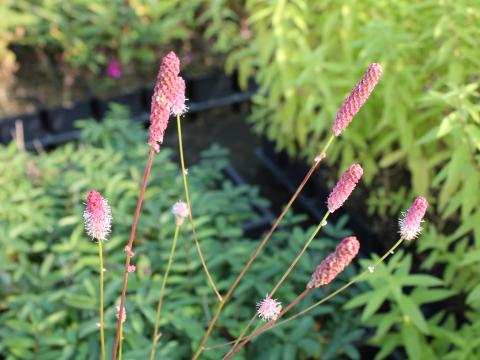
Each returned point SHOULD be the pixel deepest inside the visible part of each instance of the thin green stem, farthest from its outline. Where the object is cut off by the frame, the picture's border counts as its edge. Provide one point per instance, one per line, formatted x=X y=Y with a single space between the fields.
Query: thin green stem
x=260 y=246
x=328 y=297
x=102 y=332
x=285 y=275
x=121 y=342
x=190 y=216
x=162 y=289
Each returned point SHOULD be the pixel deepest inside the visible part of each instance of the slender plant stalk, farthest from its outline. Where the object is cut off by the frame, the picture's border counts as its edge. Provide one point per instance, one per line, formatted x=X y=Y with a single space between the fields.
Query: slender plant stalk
x=162 y=289
x=274 y=324
x=260 y=247
x=285 y=275
x=190 y=216
x=102 y=332
x=130 y=246
x=121 y=342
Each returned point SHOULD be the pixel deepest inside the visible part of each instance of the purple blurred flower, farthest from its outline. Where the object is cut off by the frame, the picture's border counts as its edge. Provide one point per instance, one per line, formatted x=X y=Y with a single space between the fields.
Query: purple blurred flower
x=114 y=70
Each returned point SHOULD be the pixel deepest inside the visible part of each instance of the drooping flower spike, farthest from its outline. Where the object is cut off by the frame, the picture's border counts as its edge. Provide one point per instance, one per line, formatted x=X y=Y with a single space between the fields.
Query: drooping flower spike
x=335 y=263
x=357 y=98
x=97 y=216
x=410 y=224
x=162 y=99
x=344 y=187
x=269 y=309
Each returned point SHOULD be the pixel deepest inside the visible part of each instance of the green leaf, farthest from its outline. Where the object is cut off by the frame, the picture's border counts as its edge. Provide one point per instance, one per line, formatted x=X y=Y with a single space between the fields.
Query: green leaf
x=377 y=298
x=412 y=313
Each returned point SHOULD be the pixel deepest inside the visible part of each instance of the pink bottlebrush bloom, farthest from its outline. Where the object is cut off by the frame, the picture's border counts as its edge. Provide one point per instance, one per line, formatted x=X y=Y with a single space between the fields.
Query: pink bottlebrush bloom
x=124 y=313
x=97 y=216
x=131 y=268
x=335 y=263
x=178 y=104
x=357 y=98
x=114 y=70
x=269 y=309
x=162 y=99
x=410 y=224
x=180 y=210
x=344 y=187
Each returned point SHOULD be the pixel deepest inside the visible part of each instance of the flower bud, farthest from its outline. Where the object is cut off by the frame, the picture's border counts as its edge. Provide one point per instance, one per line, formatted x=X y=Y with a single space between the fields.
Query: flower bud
x=344 y=187
x=357 y=98
x=335 y=263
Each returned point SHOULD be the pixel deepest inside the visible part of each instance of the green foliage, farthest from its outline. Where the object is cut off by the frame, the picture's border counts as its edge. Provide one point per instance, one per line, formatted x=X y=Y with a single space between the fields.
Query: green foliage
x=417 y=134
x=403 y=324
x=86 y=34
x=49 y=267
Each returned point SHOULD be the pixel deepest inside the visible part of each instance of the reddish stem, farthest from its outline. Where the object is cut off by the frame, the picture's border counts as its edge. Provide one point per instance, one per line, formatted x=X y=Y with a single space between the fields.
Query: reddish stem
x=130 y=246
x=267 y=325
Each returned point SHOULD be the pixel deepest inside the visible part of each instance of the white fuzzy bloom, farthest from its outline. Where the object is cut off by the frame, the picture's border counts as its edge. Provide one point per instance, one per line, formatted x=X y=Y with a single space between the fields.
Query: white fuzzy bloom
x=97 y=216
x=269 y=309
x=180 y=210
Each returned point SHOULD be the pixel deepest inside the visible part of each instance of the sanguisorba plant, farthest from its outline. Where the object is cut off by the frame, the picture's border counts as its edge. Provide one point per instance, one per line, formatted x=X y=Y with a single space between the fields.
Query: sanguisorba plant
x=169 y=99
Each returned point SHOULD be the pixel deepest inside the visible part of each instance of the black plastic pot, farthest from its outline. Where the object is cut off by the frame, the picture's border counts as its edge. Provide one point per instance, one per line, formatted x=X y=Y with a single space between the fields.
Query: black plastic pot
x=132 y=100
x=62 y=119
x=212 y=86
x=253 y=228
x=33 y=128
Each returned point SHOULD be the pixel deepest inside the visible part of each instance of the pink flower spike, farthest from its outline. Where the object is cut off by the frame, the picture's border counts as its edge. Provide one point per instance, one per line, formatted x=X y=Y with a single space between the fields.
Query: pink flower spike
x=335 y=263
x=178 y=104
x=114 y=70
x=269 y=309
x=97 y=216
x=131 y=268
x=410 y=224
x=344 y=187
x=162 y=99
x=124 y=313
x=357 y=98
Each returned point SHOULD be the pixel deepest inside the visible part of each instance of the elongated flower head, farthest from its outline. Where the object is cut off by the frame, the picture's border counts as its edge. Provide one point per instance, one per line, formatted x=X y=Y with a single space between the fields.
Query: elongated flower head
x=410 y=223
x=97 y=216
x=124 y=313
x=178 y=104
x=269 y=309
x=162 y=99
x=357 y=98
x=335 y=262
x=344 y=187
x=180 y=210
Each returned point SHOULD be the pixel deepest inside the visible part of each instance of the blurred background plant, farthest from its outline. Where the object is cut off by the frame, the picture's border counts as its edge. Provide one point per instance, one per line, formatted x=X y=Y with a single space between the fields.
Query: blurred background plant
x=48 y=266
